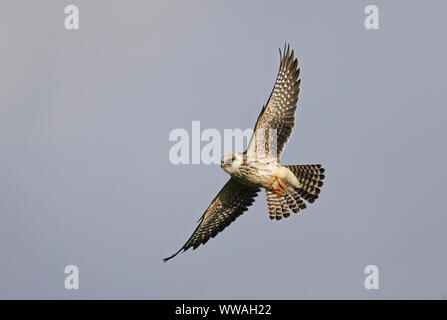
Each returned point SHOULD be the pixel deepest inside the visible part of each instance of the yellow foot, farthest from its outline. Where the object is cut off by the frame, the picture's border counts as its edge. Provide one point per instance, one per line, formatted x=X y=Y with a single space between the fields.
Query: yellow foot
x=281 y=184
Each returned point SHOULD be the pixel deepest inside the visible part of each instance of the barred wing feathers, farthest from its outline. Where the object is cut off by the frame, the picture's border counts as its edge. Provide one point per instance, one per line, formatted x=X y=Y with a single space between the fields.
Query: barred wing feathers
x=232 y=200
x=279 y=112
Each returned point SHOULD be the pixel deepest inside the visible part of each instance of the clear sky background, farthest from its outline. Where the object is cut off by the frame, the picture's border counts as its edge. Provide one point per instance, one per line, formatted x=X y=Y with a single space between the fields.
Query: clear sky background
x=85 y=177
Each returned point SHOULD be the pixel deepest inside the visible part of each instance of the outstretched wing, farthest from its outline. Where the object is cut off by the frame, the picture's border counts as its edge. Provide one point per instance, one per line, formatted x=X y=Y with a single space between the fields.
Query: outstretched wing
x=279 y=112
x=230 y=203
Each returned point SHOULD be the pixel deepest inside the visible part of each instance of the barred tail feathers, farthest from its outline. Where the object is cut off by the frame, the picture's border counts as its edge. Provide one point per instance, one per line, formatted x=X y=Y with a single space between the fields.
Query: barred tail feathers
x=310 y=178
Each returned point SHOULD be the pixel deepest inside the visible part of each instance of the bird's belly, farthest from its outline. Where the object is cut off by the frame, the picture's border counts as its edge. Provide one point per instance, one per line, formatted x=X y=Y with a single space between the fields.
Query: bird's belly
x=259 y=176
x=267 y=176
x=263 y=180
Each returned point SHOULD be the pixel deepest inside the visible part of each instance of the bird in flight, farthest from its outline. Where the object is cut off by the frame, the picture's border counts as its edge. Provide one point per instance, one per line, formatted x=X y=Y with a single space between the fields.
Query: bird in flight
x=286 y=186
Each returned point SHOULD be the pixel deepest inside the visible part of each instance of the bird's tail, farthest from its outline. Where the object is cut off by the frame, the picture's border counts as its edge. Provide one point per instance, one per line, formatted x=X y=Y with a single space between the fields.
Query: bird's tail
x=310 y=178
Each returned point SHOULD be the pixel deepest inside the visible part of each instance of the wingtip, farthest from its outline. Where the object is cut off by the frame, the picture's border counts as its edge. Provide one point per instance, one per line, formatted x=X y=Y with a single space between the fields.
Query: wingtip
x=286 y=52
x=168 y=258
x=172 y=256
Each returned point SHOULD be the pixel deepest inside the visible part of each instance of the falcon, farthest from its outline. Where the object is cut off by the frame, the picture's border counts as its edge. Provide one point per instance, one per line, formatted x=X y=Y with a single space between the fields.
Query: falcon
x=287 y=187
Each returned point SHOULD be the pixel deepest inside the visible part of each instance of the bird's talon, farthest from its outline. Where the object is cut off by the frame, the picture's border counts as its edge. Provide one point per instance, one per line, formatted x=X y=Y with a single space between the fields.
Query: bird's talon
x=278 y=192
x=282 y=184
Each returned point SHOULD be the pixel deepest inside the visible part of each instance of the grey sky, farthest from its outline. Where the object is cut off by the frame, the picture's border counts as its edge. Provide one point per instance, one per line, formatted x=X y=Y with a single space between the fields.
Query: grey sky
x=85 y=179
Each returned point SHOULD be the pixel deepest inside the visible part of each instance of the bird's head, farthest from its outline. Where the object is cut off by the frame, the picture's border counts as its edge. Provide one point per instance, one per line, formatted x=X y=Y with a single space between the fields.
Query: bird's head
x=231 y=162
